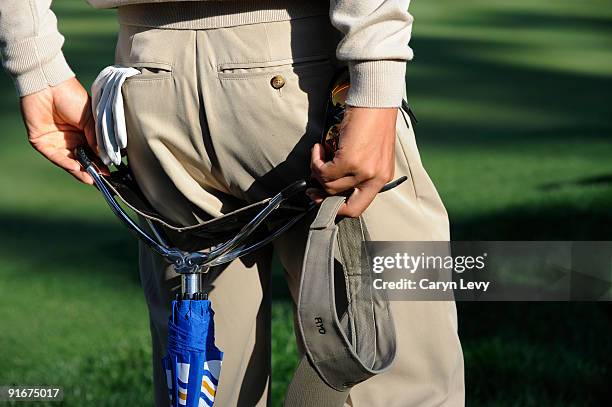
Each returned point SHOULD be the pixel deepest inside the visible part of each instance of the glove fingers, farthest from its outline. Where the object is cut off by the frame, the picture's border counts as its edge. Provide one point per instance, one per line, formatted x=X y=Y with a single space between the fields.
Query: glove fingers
x=118 y=110
x=114 y=152
x=105 y=125
x=107 y=106
x=97 y=90
x=98 y=86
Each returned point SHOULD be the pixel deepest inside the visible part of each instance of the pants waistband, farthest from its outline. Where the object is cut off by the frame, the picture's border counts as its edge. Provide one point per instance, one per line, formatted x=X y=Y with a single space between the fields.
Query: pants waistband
x=201 y=15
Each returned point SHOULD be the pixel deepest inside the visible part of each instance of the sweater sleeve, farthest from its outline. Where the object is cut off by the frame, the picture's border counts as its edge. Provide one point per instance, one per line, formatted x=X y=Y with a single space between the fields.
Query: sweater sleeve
x=375 y=46
x=31 y=45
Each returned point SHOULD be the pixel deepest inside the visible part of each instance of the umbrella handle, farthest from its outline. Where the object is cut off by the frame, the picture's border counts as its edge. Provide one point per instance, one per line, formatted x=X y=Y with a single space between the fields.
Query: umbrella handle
x=191 y=286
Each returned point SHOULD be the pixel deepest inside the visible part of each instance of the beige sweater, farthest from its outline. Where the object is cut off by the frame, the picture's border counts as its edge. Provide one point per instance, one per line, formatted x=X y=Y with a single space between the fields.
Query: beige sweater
x=375 y=43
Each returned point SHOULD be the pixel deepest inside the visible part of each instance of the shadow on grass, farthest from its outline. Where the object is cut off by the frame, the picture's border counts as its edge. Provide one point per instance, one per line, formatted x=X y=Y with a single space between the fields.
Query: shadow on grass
x=44 y=244
x=533 y=354
x=605 y=179
x=472 y=97
x=527 y=353
x=542 y=222
x=520 y=19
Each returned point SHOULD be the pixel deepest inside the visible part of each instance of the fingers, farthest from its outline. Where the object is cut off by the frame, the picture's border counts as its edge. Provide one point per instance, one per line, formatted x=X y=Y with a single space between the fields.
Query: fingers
x=364 y=161
x=59 y=148
x=66 y=160
x=330 y=175
x=76 y=140
x=340 y=185
x=324 y=171
x=336 y=180
x=58 y=119
x=90 y=134
x=89 y=130
x=82 y=176
x=102 y=168
x=316 y=195
x=359 y=200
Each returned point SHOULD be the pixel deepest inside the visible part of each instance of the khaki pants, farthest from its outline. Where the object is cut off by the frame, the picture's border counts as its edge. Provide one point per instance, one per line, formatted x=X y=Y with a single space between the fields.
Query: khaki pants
x=208 y=134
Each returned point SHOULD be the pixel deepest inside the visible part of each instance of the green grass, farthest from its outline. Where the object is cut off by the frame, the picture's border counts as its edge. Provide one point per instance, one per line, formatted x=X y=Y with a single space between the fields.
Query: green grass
x=514 y=101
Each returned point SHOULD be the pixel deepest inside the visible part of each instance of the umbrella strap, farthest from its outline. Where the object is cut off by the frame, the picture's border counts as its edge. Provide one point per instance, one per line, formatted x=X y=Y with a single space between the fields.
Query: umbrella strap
x=342 y=350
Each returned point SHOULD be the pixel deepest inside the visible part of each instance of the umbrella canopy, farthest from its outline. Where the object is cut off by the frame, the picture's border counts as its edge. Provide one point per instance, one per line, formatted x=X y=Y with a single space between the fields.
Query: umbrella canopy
x=193 y=362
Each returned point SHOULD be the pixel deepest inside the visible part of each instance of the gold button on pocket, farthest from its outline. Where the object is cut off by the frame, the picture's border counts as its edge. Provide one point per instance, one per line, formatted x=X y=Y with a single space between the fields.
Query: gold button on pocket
x=277 y=82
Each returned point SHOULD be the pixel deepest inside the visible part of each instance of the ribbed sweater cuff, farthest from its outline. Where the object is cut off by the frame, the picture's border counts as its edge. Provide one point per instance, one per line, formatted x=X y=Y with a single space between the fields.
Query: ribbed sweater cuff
x=37 y=63
x=377 y=83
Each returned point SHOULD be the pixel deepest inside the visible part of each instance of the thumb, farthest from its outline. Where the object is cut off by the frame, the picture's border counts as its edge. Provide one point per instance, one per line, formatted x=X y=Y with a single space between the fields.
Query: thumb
x=90 y=133
x=89 y=129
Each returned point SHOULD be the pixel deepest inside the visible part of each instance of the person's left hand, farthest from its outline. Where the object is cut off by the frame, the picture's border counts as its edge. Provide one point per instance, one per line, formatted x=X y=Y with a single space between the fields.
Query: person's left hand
x=364 y=161
x=58 y=119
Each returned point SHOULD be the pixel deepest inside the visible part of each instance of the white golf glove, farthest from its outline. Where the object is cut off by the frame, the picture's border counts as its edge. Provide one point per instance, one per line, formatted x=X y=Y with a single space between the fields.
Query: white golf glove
x=107 y=107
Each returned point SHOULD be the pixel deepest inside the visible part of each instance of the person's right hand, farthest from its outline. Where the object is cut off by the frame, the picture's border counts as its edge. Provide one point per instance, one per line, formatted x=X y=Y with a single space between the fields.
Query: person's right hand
x=58 y=119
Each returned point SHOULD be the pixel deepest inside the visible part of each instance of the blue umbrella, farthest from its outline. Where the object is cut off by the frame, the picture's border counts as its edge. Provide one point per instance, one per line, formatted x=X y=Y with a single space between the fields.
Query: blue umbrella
x=193 y=362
